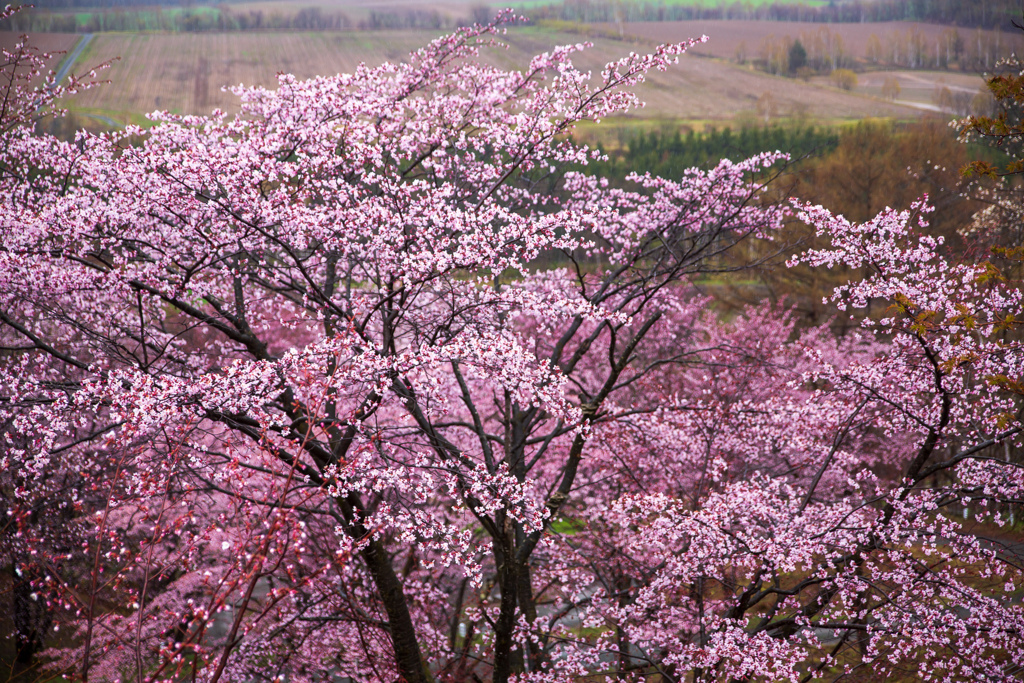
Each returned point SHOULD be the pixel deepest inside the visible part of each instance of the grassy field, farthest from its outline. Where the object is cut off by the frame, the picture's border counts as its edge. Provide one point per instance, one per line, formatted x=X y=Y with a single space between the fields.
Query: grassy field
x=452 y=6
x=185 y=73
x=527 y=4
x=151 y=17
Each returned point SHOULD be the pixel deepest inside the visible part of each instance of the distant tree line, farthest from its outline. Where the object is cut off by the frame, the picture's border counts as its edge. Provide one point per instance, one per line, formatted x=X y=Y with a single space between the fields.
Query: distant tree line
x=96 y=4
x=822 y=50
x=983 y=13
x=70 y=16
x=220 y=18
x=970 y=50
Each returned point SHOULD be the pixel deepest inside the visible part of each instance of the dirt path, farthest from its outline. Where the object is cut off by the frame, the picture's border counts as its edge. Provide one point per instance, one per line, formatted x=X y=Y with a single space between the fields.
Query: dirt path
x=71 y=58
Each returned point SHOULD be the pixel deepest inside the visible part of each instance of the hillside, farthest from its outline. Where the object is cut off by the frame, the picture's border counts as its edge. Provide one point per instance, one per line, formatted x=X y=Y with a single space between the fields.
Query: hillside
x=185 y=73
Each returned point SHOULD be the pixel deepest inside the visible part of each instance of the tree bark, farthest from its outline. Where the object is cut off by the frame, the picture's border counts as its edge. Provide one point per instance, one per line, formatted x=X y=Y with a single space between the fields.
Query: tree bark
x=31 y=620
x=508 y=584
x=408 y=658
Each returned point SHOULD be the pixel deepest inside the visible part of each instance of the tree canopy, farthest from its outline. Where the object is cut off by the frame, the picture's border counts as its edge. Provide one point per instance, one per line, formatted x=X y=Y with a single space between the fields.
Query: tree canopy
x=286 y=396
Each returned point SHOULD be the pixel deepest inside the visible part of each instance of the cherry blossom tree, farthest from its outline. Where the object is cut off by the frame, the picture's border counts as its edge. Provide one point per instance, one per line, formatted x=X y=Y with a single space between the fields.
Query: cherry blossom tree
x=358 y=383
x=29 y=92
x=810 y=530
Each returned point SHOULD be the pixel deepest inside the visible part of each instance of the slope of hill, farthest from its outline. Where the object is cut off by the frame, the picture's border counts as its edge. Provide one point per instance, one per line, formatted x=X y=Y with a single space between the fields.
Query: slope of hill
x=185 y=73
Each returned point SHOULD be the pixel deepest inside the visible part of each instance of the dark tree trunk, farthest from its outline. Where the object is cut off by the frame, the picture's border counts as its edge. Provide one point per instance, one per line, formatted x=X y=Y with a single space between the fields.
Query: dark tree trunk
x=509 y=584
x=408 y=657
x=31 y=620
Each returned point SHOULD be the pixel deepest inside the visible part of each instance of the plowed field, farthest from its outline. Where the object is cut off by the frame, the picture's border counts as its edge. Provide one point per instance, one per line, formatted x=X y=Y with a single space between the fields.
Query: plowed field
x=185 y=73
x=729 y=37
x=47 y=42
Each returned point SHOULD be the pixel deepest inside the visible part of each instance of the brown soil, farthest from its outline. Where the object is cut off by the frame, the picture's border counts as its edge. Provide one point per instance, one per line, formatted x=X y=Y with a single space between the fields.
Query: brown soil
x=727 y=37
x=54 y=43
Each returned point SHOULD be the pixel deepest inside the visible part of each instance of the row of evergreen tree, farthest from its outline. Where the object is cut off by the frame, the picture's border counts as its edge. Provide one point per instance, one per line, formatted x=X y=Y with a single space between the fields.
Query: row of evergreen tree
x=670 y=154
